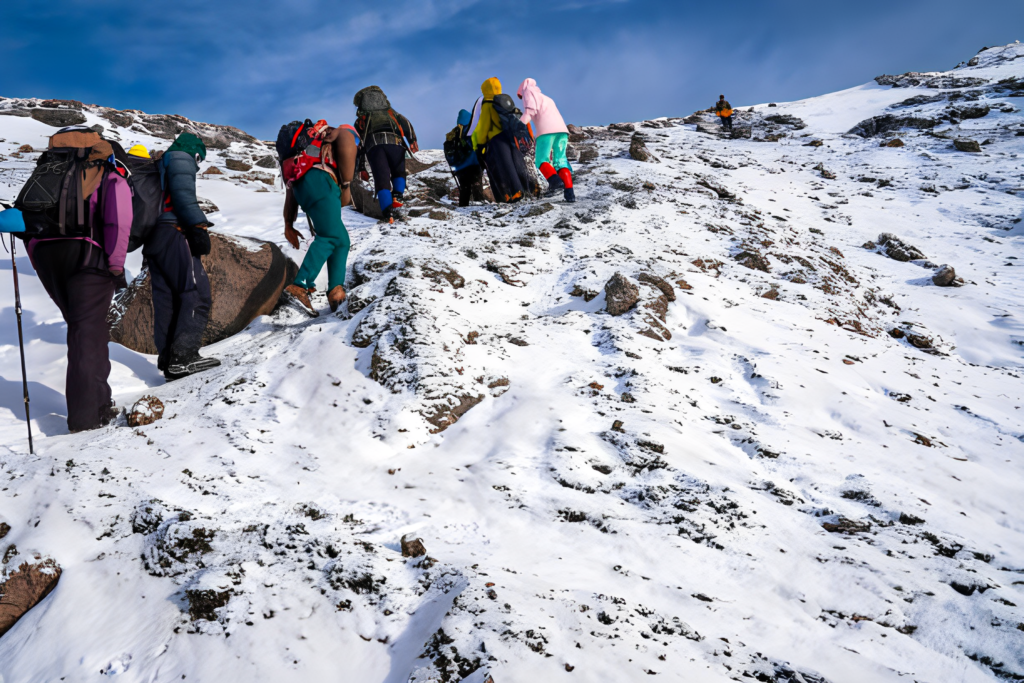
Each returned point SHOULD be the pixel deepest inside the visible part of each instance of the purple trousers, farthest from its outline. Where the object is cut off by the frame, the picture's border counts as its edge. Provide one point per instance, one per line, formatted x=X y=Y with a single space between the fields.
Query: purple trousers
x=75 y=276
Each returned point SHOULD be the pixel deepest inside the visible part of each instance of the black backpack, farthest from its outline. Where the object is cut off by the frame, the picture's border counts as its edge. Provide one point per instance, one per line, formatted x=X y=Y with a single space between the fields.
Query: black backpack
x=292 y=139
x=147 y=195
x=457 y=146
x=509 y=115
x=54 y=201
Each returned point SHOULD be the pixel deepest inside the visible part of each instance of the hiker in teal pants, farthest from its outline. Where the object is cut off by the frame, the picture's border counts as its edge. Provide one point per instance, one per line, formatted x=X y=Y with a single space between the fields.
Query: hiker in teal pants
x=321 y=197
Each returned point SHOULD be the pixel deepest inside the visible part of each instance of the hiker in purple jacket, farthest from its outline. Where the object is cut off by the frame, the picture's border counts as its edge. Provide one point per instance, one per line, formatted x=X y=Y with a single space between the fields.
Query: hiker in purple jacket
x=80 y=275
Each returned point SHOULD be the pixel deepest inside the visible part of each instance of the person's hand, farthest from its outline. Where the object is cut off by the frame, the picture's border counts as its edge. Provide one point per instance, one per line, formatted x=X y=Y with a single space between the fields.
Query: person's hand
x=414 y=147
x=365 y=176
x=293 y=236
x=198 y=241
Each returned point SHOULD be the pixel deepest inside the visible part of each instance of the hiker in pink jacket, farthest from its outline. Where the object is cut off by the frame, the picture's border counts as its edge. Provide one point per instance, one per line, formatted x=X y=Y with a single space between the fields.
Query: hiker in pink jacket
x=552 y=137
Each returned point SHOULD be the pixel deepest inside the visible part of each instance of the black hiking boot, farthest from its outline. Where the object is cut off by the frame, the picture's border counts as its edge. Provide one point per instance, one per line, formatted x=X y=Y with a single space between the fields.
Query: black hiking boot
x=555 y=185
x=569 y=195
x=183 y=367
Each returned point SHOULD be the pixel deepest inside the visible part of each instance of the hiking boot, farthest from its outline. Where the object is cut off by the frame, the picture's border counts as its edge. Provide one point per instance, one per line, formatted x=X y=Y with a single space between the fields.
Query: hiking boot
x=569 y=195
x=336 y=297
x=183 y=367
x=397 y=199
x=555 y=185
x=389 y=215
x=301 y=296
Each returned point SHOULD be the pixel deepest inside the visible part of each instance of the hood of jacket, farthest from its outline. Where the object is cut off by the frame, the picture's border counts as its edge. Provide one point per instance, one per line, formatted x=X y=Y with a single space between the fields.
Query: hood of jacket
x=528 y=86
x=491 y=87
x=190 y=144
x=464 y=117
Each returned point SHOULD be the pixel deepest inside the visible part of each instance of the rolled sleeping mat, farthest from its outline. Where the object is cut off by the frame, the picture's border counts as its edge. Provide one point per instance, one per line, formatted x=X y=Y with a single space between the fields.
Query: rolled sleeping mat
x=11 y=220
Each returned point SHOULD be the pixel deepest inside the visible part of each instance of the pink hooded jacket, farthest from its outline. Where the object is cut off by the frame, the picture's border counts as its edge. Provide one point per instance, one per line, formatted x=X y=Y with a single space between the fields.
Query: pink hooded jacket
x=540 y=109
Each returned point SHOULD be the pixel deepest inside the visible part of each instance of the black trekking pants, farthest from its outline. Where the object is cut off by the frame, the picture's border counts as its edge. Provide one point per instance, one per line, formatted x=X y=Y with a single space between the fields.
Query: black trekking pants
x=469 y=183
x=181 y=295
x=506 y=168
x=387 y=162
x=75 y=276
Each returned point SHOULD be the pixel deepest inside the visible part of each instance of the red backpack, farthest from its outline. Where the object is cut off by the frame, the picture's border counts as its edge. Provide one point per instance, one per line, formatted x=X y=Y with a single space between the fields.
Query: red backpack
x=299 y=148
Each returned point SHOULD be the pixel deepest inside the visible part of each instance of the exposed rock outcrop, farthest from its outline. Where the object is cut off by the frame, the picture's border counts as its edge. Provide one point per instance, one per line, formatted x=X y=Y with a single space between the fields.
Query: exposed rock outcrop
x=247 y=277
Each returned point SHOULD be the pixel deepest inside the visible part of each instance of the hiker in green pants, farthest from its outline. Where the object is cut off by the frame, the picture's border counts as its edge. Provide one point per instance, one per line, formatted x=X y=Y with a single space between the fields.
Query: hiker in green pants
x=321 y=196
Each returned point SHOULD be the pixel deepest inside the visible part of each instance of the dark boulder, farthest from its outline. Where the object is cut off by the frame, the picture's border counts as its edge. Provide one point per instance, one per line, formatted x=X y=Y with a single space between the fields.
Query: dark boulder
x=879 y=125
x=794 y=122
x=58 y=118
x=621 y=294
x=897 y=249
x=945 y=276
x=364 y=199
x=972 y=111
x=638 y=149
x=23 y=587
x=247 y=277
x=119 y=118
x=237 y=165
x=965 y=145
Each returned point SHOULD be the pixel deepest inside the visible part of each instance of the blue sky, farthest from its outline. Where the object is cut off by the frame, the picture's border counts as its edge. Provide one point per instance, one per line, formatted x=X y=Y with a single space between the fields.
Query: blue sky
x=256 y=64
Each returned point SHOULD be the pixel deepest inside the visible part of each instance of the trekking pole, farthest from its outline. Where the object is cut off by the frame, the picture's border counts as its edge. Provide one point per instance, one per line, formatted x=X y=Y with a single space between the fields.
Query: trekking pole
x=21 y=345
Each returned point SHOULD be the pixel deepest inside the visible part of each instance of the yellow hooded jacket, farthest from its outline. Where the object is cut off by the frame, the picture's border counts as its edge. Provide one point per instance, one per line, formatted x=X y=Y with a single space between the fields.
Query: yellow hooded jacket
x=489 y=124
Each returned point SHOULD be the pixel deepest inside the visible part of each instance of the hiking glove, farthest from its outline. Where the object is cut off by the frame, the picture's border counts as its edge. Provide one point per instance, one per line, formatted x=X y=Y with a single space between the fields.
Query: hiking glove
x=198 y=241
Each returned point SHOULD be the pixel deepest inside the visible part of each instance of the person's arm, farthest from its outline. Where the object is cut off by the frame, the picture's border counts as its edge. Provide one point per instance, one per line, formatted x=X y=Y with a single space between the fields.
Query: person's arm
x=291 y=213
x=410 y=132
x=181 y=185
x=117 y=222
x=345 y=154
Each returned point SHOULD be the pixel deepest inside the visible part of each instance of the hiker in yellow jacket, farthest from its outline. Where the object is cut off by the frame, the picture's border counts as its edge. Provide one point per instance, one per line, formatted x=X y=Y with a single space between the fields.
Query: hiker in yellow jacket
x=724 y=111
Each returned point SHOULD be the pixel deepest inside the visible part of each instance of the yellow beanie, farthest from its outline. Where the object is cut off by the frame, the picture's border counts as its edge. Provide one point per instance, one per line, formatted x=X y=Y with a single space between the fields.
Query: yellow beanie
x=139 y=151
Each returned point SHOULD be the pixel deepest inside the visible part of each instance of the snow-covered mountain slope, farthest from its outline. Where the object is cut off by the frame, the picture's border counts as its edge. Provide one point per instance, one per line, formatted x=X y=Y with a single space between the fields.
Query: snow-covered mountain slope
x=745 y=476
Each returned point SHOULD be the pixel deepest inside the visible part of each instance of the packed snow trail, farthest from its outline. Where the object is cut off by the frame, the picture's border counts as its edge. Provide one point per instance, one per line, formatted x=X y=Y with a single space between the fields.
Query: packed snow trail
x=743 y=476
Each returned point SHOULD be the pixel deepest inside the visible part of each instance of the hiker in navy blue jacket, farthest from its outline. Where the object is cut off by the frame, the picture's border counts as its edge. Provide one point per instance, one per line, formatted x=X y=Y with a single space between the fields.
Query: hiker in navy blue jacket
x=181 y=288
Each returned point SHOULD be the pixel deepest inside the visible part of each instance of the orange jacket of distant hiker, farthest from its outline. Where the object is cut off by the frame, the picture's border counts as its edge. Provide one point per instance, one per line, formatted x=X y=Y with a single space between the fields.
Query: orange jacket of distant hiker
x=723 y=108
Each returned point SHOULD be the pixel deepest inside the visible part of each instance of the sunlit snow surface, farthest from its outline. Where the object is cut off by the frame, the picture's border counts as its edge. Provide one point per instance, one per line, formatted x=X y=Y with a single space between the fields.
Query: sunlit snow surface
x=281 y=483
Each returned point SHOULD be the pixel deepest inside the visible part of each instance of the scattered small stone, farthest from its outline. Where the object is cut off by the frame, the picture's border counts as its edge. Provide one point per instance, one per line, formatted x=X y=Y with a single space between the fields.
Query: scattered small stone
x=895 y=142
x=146 y=410
x=946 y=277
x=413 y=547
x=919 y=341
x=627 y=397
x=617 y=426
x=814 y=143
x=213 y=170
x=438 y=215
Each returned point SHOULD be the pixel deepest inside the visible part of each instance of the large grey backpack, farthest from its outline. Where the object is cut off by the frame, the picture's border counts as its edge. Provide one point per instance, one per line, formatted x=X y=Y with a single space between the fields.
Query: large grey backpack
x=371 y=98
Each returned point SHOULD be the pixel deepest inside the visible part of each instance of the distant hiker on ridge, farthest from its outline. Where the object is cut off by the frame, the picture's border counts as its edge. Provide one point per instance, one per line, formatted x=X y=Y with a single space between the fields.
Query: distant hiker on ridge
x=181 y=288
x=724 y=111
x=317 y=166
x=384 y=133
x=552 y=138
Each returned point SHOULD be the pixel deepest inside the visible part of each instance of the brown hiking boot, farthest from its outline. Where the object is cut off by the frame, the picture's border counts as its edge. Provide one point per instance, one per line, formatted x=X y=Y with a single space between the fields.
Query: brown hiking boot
x=301 y=296
x=336 y=297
